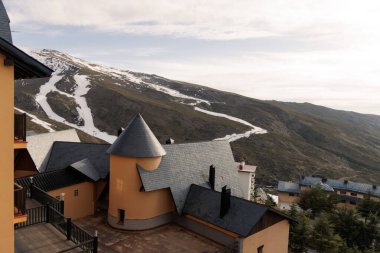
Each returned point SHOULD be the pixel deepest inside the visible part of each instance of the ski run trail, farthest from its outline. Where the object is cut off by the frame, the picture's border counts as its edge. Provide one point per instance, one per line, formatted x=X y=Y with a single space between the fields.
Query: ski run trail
x=83 y=85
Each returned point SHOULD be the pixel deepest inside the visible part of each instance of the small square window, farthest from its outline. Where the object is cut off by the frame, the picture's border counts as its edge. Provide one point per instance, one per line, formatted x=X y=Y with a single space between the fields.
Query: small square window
x=291 y=194
x=76 y=193
x=260 y=249
x=343 y=192
x=353 y=194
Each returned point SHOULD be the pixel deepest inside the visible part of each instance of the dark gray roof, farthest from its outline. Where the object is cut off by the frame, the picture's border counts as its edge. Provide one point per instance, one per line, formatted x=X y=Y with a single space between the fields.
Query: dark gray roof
x=53 y=180
x=25 y=65
x=288 y=187
x=137 y=140
x=65 y=154
x=5 y=30
x=186 y=164
x=241 y=218
x=85 y=167
x=341 y=185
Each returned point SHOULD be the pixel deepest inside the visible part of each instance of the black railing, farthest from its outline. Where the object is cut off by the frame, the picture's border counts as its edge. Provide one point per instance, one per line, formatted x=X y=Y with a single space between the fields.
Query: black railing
x=20 y=127
x=81 y=237
x=49 y=214
x=45 y=199
x=35 y=215
x=19 y=199
x=57 y=220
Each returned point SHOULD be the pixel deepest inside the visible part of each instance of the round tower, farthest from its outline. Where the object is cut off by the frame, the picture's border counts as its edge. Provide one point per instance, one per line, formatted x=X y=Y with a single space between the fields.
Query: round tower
x=130 y=207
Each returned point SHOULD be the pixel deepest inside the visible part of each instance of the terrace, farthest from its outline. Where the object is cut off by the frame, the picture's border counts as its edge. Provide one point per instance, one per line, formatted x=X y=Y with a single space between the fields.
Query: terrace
x=45 y=228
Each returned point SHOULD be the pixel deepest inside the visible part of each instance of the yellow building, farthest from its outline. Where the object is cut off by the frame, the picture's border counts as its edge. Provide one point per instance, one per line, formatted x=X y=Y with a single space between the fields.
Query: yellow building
x=14 y=64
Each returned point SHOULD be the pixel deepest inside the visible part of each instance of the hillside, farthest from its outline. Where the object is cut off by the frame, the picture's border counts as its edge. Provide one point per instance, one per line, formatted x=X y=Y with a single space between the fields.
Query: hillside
x=285 y=140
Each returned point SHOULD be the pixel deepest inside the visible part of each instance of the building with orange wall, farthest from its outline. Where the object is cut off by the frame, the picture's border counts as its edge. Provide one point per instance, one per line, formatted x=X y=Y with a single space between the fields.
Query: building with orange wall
x=14 y=64
x=147 y=184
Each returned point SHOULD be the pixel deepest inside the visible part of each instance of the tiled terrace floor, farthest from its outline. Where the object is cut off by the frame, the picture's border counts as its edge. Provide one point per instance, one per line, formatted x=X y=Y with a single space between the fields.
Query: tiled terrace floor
x=170 y=238
x=41 y=238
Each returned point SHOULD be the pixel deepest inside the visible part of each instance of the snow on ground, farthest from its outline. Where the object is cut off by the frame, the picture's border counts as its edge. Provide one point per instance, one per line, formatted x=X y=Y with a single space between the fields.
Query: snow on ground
x=81 y=89
x=234 y=137
x=36 y=120
x=83 y=85
x=175 y=93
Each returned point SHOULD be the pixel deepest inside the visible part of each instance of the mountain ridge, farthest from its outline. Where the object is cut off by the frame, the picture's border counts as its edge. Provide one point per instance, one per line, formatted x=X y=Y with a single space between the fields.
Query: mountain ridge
x=286 y=139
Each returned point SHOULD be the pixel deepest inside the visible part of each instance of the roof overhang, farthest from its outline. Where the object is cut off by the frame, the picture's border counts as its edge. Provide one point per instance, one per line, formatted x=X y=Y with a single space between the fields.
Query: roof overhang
x=25 y=66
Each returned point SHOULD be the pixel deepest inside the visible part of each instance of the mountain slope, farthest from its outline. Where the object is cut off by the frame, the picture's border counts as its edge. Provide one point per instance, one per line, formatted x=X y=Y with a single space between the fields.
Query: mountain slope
x=285 y=140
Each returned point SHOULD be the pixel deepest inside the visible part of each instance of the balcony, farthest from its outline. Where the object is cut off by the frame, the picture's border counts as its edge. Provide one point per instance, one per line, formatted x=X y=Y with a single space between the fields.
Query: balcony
x=19 y=131
x=19 y=204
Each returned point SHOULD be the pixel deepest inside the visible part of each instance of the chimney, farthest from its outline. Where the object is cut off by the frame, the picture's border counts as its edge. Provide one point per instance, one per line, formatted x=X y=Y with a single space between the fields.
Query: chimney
x=169 y=141
x=211 y=177
x=345 y=181
x=374 y=187
x=225 y=201
x=241 y=166
x=324 y=180
x=119 y=131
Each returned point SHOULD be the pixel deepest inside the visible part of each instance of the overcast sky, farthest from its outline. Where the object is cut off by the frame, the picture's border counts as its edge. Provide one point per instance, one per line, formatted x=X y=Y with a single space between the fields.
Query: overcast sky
x=325 y=52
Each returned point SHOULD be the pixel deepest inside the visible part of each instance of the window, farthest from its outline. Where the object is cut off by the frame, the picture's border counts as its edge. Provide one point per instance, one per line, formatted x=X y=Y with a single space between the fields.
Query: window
x=352 y=203
x=260 y=249
x=76 y=193
x=343 y=192
x=353 y=194
x=343 y=201
x=58 y=197
x=121 y=216
x=291 y=194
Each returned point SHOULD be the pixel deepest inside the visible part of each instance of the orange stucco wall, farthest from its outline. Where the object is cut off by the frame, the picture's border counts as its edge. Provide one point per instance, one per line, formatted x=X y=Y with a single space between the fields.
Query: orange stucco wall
x=6 y=156
x=125 y=184
x=77 y=206
x=274 y=239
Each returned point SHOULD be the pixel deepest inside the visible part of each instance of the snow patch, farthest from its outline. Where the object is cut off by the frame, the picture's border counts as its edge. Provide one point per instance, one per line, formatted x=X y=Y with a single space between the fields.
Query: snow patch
x=36 y=120
x=84 y=112
x=176 y=94
x=234 y=137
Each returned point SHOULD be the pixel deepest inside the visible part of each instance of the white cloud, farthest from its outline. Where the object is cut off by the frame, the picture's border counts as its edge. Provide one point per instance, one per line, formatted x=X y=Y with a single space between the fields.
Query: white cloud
x=341 y=70
x=213 y=19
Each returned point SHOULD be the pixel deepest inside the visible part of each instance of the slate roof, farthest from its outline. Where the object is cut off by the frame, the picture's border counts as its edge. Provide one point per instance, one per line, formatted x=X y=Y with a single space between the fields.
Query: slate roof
x=39 y=146
x=53 y=180
x=288 y=187
x=5 y=30
x=340 y=185
x=85 y=167
x=25 y=66
x=241 y=218
x=64 y=154
x=186 y=164
x=137 y=140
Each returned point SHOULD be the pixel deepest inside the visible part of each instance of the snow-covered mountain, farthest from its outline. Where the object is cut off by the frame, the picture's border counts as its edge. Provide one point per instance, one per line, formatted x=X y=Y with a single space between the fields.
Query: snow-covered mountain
x=285 y=140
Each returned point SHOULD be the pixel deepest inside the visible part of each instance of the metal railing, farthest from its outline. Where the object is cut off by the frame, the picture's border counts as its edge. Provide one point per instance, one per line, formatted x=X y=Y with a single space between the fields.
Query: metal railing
x=45 y=199
x=19 y=199
x=52 y=212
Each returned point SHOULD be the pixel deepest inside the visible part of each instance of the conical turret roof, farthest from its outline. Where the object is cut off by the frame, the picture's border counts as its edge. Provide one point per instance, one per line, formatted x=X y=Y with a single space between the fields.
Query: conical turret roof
x=5 y=30
x=137 y=140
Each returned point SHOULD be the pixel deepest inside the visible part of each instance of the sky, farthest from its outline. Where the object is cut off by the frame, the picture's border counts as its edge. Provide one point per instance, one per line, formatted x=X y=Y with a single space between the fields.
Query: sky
x=323 y=52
